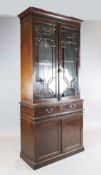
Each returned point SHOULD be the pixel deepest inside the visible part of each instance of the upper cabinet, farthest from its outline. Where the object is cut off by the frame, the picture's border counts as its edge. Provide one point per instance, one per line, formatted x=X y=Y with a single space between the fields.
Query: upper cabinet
x=52 y=56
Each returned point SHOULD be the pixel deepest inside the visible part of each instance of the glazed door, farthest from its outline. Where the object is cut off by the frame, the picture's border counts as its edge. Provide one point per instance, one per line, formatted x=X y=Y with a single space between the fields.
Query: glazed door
x=69 y=61
x=46 y=60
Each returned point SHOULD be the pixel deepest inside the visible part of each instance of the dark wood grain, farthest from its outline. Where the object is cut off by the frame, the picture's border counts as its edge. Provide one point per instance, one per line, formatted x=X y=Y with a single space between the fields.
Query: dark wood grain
x=37 y=165
x=26 y=61
x=46 y=132
x=43 y=13
x=71 y=133
x=56 y=109
x=28 y=139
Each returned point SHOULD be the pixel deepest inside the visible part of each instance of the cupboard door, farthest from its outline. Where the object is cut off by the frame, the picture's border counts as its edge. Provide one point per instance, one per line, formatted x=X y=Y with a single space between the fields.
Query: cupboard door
x=48 y=139
x=45 y=53
x=69 y=59
x=71 y=133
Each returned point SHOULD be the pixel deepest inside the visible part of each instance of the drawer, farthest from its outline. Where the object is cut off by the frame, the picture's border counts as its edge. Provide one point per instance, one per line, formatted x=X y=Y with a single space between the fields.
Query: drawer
x=41 y=111
x=72 y=106
x=58 y=109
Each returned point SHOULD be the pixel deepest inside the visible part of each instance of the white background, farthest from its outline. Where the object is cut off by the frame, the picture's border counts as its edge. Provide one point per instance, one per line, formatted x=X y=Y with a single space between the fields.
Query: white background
x=90 y=86
x=84 y=9
x=90 y=71
x=9 y=74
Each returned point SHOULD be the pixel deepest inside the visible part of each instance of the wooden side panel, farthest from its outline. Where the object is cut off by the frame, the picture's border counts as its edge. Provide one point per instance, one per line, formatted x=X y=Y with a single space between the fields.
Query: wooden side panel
x=71 y=133
x=26 y=61
x=27 y=112
x=27 y=139
x=48 y=139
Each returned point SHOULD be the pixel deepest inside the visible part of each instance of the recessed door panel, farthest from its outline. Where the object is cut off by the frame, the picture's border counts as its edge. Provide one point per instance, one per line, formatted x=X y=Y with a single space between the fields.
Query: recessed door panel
x=71 y=132
x=48 y=139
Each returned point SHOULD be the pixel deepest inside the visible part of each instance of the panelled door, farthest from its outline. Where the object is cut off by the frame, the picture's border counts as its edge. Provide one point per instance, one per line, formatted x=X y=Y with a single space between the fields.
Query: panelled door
x=71 y=132
x=48 y=139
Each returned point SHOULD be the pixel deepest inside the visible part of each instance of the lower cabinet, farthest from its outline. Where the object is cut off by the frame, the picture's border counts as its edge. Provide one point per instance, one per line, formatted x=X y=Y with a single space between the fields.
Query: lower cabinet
x=48 y=138
x=59 y=136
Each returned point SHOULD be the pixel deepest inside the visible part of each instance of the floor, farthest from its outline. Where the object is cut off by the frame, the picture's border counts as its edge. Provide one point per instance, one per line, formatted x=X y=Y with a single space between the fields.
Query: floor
x=85 y=163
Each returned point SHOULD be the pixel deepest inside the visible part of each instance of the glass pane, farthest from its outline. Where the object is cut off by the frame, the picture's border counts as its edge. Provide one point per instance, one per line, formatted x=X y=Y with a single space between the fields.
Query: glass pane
x=45 y=61
x=69 y=74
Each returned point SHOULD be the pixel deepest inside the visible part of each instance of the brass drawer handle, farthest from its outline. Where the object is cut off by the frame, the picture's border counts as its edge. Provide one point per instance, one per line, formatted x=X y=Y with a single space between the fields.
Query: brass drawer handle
x=49 y=110
x=72 y=106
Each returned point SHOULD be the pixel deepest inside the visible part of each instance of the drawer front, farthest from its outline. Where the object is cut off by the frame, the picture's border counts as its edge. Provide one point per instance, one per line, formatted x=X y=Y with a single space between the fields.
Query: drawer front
x=41 y=111
x=72 y=106
x=58 y=109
